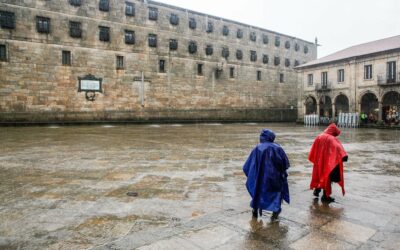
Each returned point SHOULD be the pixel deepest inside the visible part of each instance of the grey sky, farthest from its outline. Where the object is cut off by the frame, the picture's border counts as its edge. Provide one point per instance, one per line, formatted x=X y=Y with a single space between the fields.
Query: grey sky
x=338 y=24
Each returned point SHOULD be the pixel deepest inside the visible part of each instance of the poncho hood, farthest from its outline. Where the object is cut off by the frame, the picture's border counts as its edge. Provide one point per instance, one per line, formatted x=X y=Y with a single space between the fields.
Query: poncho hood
x=267 y=136
x=332 y=130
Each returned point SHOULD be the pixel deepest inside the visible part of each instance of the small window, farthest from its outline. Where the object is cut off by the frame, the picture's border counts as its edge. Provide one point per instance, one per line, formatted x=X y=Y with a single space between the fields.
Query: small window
x=310 y=79
x=129 y=9
x=287 y=62
x=192 y=23
x=75 y=29
x=225 y=52
x=239 y=54
x=43 y=24
x=341 y=75
x=258 y=75
x=174 y=19
x=232 y=72
x=265 y=39
x=265 y=59
x=192 y=47
x=296 y=63
x=129 y=37
x=287 y=45
x=162 y=66
x=253 y=56
x=209 y=50
x=277 y=41
x=281 y=78
x=368 y=71
x=152 y=40
x=3 y=53
x=296 y=47
x=210 y=27
x=391 y=72
x=104 y=5
x=104 y=34
x=277 y=60
x=7 y=20
x=120 y=62
x=324 y=78
x=66 y=58
x=200 y=69
x=305 y=49
x=75 y=2
x=173 y=44
x=239 y=34
x=153 y=14
x=253 y=36
x=225 y=30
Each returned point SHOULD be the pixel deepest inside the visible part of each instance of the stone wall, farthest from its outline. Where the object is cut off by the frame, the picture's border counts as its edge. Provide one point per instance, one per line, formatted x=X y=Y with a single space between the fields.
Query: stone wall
x=35 y=86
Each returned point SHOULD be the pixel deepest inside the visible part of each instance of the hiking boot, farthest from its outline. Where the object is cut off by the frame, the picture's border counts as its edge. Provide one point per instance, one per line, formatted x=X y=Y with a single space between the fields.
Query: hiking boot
x=327 y=199
x=275 y=216
x=255 y=213
x=316 y=192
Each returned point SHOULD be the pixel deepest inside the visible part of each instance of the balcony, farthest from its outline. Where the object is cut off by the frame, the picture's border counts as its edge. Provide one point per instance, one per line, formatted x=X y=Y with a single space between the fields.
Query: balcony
x=383 y=80
x=323 y=87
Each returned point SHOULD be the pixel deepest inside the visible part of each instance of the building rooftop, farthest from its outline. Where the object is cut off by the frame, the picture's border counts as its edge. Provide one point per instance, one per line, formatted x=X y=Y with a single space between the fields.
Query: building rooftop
x=364 y=49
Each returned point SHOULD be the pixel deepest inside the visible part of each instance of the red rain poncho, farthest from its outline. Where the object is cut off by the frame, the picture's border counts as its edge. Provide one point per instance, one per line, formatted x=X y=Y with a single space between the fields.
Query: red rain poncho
x=326 y=153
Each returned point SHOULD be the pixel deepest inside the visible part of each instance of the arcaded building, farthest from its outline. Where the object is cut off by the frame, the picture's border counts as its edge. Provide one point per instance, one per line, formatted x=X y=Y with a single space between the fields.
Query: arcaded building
x=364 y=78
x=114 y=60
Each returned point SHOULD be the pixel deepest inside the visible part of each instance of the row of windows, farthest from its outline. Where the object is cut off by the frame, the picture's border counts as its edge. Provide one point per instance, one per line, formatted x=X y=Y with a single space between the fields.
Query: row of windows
x=391 y=74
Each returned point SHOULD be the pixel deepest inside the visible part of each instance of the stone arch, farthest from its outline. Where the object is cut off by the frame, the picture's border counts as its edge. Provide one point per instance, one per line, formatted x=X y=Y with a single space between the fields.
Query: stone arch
x=310 y=105
x=370 y=106
x=325 y=106
x=390 y=106
x=367 y=92
x=341 y=104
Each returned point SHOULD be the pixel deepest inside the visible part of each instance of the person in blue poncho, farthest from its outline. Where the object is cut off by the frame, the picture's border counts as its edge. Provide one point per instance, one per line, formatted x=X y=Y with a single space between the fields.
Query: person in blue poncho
x=266 y=172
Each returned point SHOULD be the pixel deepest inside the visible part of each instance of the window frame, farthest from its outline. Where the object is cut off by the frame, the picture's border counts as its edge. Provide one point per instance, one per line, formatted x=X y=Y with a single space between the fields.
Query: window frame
x=310 y=79
x=368 y=72
x=324 y=78
x=75 y=2
x=340 y=75
x=259 y=75
x=104 y=5
x=130 y=37
x=66 y=58
x=253 y=56
x=153 y=14
x=161 y=66
x=130 y=9
x=231 y=72
x=75 y=29
x=43 y=24
x=7 y=20
x=391 y=71
x=3 y=53
x=104 y=34
x=119 y=62
x=152 y=40
x=200 y=69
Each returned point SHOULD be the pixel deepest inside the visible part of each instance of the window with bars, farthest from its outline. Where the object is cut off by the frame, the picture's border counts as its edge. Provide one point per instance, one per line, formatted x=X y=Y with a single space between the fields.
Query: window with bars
x=192 y=47
x=7 y=20
x=153 y=13
x=258 y=75
x=104 y=5
x=225 y=30
x=161 y=65
x=3 y=53
x=152 y=40
x=129 y=9
x=119 y=62
x=225 y=52
x=239 y=34
x=253 y=36
x=192 y=23
x=277 y=41
x=174 y=19
x=239 y=54
x=310 y=79
x=253 y=55
x=277 y=60
x=281 y=78
x=42 y=24
x=173 y=44
x=265 y=59
x=66 y=58
x=210 y=27
x=200 y=69
x=231 y=72
x=209 y=50
x=104 y=34
x=129 y=37
x=75 y=2
x=368 y=71
x=265 y=39
x=340 y=75
x=75 y=29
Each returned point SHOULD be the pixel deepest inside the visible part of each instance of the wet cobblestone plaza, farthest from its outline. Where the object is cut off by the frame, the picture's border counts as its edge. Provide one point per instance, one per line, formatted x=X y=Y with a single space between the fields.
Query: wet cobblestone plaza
x=66 y=188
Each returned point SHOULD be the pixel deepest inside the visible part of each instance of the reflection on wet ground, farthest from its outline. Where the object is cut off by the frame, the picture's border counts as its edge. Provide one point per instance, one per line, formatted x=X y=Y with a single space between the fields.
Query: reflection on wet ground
x=66 y=188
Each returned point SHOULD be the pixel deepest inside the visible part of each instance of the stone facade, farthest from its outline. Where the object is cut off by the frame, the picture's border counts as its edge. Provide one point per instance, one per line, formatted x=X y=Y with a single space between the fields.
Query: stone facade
x=35 y=86
x=366 y=87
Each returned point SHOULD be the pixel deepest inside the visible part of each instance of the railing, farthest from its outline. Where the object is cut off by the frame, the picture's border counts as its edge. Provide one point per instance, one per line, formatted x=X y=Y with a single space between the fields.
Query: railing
x=384 y=80
x=323 y=86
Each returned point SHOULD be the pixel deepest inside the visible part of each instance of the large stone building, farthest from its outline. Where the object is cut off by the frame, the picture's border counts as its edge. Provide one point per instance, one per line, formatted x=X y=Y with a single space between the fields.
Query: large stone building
x=364 y=78
x=73 y=60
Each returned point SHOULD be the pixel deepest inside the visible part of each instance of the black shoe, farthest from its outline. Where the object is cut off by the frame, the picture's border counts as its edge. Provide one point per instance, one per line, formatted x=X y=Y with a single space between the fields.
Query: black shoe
x=255 y=213
x=327 y=199
x=275 y=216
x=316 y=192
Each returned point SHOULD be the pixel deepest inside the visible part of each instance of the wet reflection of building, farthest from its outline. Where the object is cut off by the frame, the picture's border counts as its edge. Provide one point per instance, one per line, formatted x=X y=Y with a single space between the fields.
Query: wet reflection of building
x=364 y=78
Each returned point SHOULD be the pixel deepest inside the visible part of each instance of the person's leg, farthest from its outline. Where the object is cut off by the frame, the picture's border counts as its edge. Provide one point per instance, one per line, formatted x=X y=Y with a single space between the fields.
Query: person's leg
x=326 y=198
x=255 y=213
x=275 y=215
x=316 y=192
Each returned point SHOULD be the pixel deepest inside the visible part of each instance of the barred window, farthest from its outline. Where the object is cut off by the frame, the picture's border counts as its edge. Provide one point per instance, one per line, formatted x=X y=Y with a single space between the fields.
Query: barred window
x=225 y=52
x=232 y=72
x=120 y=62
x=253 y=55
x=277 y=41
x=253 y=36
x=152 y=40
x=281 y=78
x=173 y=44
x=239 y=34
x=192 y=47
x=153 y=14
x=43 y=24
x=129 y=9
x=265 y=39
x=225 y=30
x=129 y=37
x=239 y=54
x=210 y=27
x=200 y=69
x=192 y=23
x=209 y=50
x=277 y=60
x=161 y=66
x=75 y=29
x=174 y=19
x=287 y=45
x=3 y=53
x=66 y=58
x=104 y=5
x=265 y=59
x=104 y=34
x=7 y=20
x=75 y=2
x=258 y=75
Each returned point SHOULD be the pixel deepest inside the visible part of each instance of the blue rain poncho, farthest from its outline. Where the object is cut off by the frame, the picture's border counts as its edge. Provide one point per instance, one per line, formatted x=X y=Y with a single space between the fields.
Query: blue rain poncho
x=266 y=174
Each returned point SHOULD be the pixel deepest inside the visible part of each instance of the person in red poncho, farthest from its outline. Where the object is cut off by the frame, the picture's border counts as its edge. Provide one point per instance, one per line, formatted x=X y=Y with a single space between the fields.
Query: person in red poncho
x=327 y=154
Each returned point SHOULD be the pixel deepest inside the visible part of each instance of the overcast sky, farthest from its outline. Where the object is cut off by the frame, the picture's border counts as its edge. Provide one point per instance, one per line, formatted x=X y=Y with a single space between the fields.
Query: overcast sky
x=338 y=24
